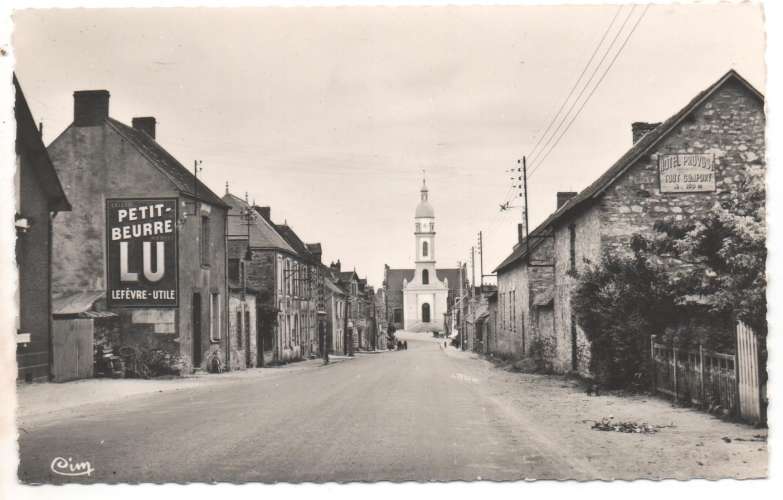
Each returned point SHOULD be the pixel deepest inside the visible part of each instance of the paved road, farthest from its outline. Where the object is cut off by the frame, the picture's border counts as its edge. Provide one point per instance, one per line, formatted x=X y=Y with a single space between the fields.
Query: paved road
x=420 y=414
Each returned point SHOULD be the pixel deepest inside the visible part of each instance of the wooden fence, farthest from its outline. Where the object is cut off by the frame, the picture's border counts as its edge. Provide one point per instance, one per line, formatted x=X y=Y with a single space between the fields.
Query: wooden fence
x=712 y=379
x=749 y=374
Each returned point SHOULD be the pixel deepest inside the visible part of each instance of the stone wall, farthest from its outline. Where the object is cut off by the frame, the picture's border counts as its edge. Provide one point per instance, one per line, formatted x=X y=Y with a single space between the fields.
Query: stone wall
x=244 y=353
x=587 y=229
x=729 y=125
x=95 y=163
x=518 y=288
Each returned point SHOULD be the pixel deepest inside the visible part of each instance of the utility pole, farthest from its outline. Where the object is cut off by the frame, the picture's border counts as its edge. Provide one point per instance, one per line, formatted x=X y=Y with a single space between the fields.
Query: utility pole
x=473 y=271
x=524 y=210
x=481 y=260
x=459 y=311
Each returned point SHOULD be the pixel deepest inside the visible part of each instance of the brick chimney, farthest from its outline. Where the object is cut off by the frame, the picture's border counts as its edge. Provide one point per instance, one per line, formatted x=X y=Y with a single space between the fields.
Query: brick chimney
x=90 y=107
x=335 y=266
x=563 y=197
x=265 y=212
x=145 y=124
x=520 y=232
x=640 y=129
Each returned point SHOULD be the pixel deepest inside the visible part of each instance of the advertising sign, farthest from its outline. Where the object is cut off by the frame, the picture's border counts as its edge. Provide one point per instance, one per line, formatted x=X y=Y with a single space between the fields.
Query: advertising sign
x=141 y=252
x=687 y=173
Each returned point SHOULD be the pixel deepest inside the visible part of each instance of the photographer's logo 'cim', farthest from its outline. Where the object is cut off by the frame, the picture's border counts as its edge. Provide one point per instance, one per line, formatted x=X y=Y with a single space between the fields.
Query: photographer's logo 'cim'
x=67 y=467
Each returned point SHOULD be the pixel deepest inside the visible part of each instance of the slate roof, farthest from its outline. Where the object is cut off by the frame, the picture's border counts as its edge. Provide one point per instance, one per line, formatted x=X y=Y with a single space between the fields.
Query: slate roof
x=79 y=304
x=332 y=286
x=262 y=234
x=637 y=151
x=646 y=143
x=347 y=276
x=295 y=242
x=28 y=135
x=395 y=277
x=179 y=175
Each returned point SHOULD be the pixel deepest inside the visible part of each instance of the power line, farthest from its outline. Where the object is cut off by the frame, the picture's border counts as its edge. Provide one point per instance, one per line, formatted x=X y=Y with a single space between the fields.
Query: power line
x=576 y=83
x=598 y=84
x=586 y=85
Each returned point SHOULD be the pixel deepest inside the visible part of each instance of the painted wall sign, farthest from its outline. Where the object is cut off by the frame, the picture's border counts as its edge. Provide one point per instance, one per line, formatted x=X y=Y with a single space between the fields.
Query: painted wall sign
x=141 y=252
x=687 y=173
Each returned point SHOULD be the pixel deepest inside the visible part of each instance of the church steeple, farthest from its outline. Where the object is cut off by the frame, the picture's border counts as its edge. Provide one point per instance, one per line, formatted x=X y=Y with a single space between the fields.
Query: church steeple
x=424 y=189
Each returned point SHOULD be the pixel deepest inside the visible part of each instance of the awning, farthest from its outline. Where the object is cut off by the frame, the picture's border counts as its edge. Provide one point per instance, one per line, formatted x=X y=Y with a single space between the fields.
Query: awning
x=79 y=305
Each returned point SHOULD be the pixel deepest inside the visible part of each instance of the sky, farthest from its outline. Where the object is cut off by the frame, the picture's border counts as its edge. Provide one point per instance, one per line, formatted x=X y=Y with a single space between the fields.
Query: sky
x=331 y=115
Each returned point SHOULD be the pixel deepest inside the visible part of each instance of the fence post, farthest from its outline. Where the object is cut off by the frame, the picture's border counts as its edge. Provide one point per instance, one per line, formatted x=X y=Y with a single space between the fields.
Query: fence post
x=701 y=374
x=653 y=368
x=674 y=357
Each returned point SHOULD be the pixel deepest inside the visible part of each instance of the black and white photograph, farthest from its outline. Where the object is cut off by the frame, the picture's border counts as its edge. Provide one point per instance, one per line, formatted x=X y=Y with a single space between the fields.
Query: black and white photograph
x=362 y=244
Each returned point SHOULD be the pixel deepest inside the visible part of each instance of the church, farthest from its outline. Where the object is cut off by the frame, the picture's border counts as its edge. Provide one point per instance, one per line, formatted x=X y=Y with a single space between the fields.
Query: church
x=418 y=298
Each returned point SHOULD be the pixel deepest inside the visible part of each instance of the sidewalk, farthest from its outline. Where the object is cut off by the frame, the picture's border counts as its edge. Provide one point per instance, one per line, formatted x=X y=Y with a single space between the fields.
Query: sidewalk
x=35 y=400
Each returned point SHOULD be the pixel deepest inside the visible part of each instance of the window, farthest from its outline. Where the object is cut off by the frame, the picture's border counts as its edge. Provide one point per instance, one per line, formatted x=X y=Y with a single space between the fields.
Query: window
x=418 y=227
x=214 y=317
x=572 y=235
x=424 y=249
x=513 y=310
x=239 y=328
x=247 y=324
x=425 y=277
x=204 y=240
x=398 y=315
x=233 y=270
x=425 y=313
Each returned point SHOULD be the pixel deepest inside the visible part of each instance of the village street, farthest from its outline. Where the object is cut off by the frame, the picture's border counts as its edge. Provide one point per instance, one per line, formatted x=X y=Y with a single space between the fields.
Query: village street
x=421 y=414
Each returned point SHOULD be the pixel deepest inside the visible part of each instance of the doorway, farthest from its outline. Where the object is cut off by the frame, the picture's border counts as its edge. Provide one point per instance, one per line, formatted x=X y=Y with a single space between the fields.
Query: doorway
x=196 y=330
x=425 y=312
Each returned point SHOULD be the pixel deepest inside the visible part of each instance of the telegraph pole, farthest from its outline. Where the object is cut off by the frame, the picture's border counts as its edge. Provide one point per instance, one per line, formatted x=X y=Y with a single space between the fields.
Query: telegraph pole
x=473 y=271
x=524 y=210
x=481 y=260
x=459 y=311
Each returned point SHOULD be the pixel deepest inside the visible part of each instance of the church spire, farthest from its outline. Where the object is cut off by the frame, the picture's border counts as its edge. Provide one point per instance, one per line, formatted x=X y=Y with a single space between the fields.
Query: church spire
x=424 y=185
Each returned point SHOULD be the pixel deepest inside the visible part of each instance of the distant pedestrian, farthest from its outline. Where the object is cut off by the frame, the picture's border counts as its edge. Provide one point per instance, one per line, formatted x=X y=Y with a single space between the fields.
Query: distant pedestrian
x=405 y=343
x=445 y=344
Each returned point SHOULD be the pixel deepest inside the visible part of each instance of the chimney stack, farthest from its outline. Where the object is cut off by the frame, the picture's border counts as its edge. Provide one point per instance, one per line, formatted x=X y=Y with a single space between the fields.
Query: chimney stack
x=520 y=232
x=90 y=107
x=266 y=213
x=145 y=124
x=563 y=197
x=640 y=129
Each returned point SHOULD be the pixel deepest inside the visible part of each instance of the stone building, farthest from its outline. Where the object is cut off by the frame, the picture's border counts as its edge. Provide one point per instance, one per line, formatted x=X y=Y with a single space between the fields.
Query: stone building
x=111 y=172
x=675 y=170
x=354 y=326
x=268 y=262
x=525 y=288
x=305 y=275
x=336 y=305
x=242 y=324
x=39 y=198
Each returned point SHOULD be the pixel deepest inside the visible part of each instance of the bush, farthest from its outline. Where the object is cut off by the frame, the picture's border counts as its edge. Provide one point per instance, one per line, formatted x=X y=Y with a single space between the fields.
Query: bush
x=619 y=304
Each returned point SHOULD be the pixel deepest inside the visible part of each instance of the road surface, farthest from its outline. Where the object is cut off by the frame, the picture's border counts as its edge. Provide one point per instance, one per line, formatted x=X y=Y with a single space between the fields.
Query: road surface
x=422 y=414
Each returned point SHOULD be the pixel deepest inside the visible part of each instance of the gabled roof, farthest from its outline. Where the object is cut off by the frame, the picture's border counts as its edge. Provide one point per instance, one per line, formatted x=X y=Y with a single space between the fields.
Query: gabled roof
x=520 y=249
x=347 y=276
x=262 y=234
x=643 y=146
x=28 y=135
x=637 y=151
x=395 y=277
x=295 y=242
x=332 y=286
x=180 y=176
